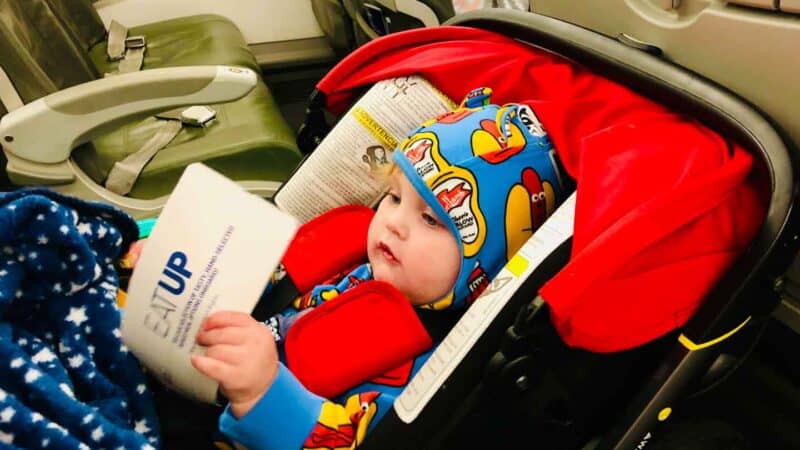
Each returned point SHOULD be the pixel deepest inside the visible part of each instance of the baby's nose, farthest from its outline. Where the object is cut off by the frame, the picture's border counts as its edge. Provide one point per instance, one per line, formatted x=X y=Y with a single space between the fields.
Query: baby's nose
x=398 y=225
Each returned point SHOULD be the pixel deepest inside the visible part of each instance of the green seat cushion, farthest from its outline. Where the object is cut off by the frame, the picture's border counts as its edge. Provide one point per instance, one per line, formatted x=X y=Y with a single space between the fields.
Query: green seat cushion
x=185 y=41
x=249 y=141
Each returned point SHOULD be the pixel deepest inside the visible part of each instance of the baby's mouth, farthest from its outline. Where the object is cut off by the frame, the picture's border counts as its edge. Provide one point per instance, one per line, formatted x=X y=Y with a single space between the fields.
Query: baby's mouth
x=387 y=253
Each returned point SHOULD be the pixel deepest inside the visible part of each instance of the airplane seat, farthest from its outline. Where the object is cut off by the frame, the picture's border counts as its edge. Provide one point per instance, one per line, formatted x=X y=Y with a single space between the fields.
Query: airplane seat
x=349 y=23
x=52 y=45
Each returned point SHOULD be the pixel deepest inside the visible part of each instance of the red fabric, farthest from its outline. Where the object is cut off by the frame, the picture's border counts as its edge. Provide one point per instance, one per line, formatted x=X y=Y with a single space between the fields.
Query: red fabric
x=664 y=205
x=357 y=336
x=314 y=255
x=656 y=225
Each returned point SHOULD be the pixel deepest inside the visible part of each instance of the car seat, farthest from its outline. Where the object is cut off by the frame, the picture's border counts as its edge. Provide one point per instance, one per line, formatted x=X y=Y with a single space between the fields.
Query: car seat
x=54 y=49
x=511 y=376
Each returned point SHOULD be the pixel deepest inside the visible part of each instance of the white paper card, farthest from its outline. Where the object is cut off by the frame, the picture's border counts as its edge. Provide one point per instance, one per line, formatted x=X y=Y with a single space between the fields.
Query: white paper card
x=213 y=248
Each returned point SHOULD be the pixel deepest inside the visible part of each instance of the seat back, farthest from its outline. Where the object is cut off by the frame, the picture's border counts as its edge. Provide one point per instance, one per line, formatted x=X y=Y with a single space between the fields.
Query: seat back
x=37 y=52
x=81 y=20
x=28 y=78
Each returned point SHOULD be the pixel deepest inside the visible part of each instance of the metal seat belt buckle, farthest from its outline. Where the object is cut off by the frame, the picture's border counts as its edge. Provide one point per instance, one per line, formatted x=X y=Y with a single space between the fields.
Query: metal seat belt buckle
x=135 y=42
x=198 y=116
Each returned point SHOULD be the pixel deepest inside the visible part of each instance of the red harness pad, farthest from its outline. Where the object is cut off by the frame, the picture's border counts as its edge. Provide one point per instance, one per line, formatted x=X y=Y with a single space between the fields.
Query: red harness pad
x=330 y=243
x=363 y=333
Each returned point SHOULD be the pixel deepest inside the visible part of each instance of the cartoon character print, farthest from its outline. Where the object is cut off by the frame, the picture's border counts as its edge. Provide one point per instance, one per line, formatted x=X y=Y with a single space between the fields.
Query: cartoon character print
x=422 y=151
x=534 y=196
x=343 y=427
x=477 y=97
x=494 y=144
x=529 y=119
x=315 y=296
x=454 y=197
x=457 y=192
x=454 y=116
x=476 y=283
x=309 y=300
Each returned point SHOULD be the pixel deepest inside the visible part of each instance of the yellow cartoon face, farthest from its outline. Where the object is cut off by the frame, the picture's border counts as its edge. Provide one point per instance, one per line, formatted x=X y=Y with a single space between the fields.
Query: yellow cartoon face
x=528 y=205
x=491 y=144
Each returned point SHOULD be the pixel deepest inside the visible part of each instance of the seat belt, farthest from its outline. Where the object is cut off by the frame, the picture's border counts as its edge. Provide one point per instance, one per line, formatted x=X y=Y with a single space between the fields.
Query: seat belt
x=128 y=50
x=8 y=93
x=124 y=174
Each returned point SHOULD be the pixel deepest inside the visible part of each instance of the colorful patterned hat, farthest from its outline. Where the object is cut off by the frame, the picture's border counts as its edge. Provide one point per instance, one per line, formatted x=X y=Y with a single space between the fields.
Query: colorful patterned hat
x=489 y=173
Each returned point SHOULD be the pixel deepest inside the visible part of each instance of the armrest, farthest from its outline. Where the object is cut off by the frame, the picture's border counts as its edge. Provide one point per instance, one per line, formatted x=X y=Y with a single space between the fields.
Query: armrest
x=46 y=130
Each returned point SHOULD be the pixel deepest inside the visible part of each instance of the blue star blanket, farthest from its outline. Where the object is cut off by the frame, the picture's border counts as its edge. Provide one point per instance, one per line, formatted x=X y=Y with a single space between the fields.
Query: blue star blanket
x=66 y=379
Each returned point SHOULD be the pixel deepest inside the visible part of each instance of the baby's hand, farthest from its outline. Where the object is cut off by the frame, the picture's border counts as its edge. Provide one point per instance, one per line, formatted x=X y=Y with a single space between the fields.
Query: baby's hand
x=131 y=257
x=241 y=356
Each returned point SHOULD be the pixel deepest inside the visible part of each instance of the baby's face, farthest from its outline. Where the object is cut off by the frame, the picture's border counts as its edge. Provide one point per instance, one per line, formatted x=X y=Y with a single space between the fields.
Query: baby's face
x=409 y=247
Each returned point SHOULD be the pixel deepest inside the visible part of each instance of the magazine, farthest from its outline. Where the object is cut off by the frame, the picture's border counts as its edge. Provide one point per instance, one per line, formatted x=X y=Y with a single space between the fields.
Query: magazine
x=347 y=166
x=214 y=247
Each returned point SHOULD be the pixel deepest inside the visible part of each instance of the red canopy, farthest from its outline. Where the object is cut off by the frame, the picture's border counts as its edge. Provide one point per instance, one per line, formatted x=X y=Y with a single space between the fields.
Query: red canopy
x=663 y=207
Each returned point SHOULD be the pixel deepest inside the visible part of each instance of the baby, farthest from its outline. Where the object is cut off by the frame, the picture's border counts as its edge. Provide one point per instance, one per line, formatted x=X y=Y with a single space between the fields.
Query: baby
x=466 y=191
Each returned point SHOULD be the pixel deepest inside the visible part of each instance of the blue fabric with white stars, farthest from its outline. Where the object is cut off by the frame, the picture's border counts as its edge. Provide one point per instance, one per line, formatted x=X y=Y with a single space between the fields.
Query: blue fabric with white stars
x=66 y=379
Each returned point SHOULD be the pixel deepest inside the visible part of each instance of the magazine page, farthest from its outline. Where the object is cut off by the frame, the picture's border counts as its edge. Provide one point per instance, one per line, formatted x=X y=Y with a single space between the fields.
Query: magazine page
x=346 y=167
x=213 y=248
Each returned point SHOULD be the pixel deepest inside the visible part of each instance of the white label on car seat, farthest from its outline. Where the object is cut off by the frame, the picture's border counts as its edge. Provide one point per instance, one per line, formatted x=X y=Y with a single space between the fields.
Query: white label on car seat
x=556 y=230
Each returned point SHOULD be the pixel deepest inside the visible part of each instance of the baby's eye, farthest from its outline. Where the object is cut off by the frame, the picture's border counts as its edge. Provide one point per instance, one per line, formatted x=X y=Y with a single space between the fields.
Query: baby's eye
x=394 y=198
x=430 y=219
